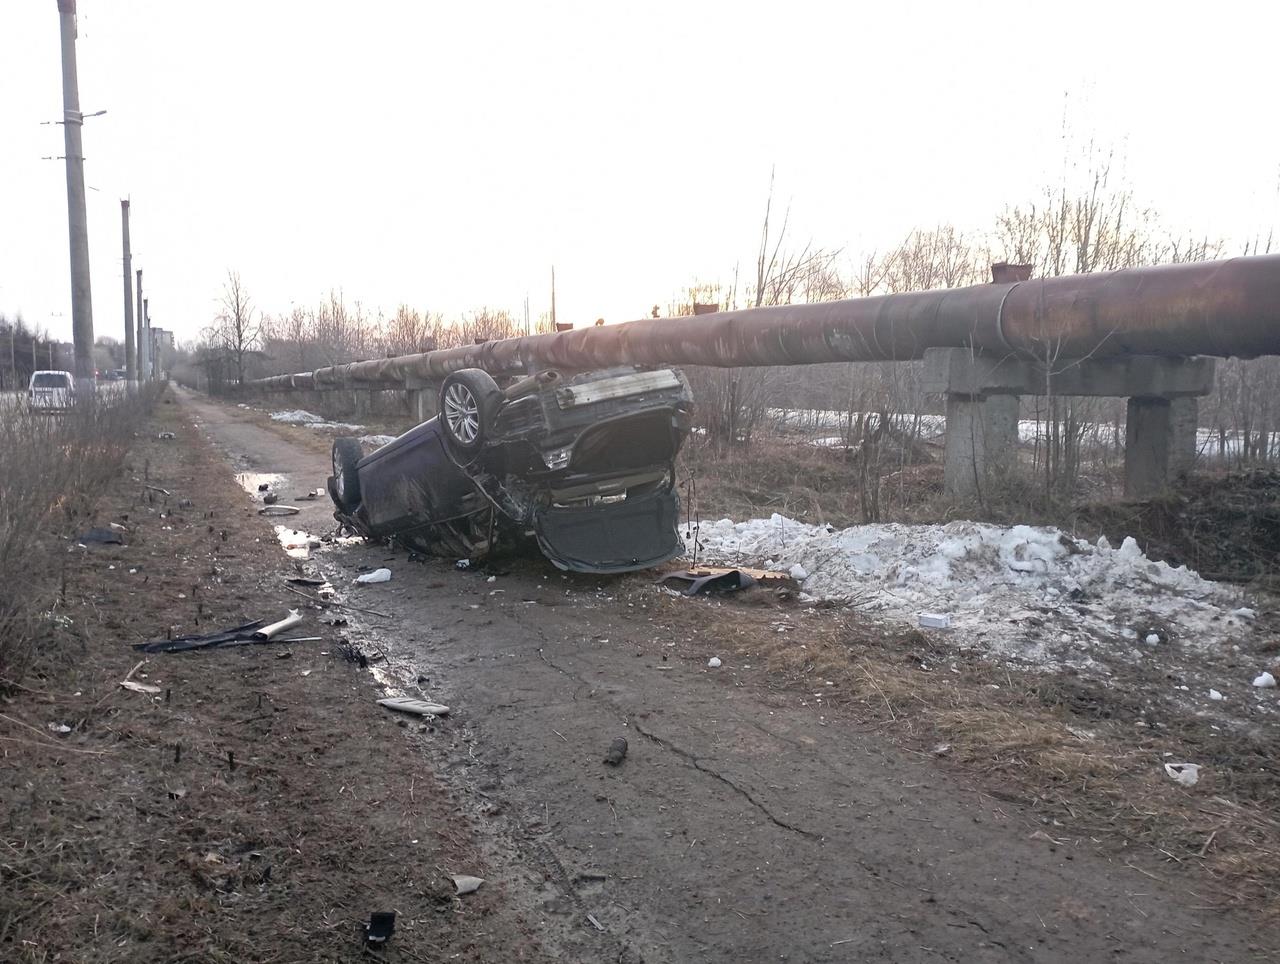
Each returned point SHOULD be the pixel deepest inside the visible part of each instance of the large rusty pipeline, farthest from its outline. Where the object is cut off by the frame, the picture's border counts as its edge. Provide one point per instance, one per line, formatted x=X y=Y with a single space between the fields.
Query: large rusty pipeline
x=1224 y=308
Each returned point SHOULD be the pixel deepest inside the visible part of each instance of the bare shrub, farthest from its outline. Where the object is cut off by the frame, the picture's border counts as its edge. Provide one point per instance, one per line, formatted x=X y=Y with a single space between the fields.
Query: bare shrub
x=51 y=469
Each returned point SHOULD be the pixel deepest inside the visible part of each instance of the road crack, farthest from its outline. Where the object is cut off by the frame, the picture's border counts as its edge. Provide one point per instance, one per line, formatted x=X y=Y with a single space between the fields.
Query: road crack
x=746 y=794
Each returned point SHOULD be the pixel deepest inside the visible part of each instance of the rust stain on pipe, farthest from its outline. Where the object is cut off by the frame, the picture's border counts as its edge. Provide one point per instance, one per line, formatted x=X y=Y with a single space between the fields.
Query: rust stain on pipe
x=1225 y=308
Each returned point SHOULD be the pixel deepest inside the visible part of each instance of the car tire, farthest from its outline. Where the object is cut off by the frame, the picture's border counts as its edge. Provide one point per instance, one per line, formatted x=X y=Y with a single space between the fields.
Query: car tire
x=345 y=490
x=469 y=400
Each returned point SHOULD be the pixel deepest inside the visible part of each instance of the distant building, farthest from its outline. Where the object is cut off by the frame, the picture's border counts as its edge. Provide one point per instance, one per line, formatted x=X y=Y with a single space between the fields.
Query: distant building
x=161 y=350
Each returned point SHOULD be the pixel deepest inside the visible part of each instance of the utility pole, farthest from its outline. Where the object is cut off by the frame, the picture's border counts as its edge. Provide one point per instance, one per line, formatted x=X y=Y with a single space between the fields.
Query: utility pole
x=143 y=355
x=553 y=299
x=130 y=356
x=146 y=336
x=77 y=218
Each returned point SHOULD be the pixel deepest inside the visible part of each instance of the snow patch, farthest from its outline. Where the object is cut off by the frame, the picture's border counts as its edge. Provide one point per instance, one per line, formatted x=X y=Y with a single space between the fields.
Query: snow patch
x=1024 y=593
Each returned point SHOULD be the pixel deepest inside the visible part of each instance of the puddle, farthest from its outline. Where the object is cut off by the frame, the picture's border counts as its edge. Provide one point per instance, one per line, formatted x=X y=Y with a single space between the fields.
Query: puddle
x=296 y=543
x=249 y=481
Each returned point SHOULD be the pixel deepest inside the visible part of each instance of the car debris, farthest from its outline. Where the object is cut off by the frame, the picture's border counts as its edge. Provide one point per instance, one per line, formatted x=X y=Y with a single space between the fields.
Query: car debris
x=707 y=579
x=279 y=510
x=406 y=704
x=378 y=575
x=103 y=536
x=583 y=465
x=466 y=884
x=249 y=633
x=617 y=752
x=379 y=928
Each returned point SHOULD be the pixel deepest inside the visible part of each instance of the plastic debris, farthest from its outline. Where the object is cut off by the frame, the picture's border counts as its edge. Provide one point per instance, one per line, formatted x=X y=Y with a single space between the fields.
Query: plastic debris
x=935 y=620
x=378 y=575
x=617 y=751
x=466 y=884
x=798 y=573
x=1264 y=681
x=462 y=564
x=1152 y=639
x=1216 y=696
x=714 y=662
x=407 y=704
x=165 y=436
x=147 y=688
x=1188 y=774
x=279 y=510
x=691 y=582
x=60 y=728
x=267 y=632
x=381 y=925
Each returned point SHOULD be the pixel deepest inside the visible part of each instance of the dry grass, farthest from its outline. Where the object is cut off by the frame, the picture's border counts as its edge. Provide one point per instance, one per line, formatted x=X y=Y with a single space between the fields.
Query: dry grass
x=52 y=468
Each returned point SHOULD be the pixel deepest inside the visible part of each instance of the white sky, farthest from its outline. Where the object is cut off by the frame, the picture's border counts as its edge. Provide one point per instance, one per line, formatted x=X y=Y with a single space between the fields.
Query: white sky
x=445 y=155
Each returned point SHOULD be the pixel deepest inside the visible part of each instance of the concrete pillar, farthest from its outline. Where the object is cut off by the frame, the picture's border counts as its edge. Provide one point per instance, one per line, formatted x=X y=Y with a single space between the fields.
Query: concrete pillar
x=1184 y=424
x=424 y=400
x=982 y=440
x=1159 y=443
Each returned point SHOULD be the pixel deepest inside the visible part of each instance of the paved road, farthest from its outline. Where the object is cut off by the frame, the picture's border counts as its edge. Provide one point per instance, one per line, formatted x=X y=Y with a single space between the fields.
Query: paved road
x=742 y=827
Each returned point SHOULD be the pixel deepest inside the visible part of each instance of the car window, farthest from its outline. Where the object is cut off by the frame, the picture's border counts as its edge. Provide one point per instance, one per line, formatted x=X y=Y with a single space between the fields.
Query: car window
x=49 y=380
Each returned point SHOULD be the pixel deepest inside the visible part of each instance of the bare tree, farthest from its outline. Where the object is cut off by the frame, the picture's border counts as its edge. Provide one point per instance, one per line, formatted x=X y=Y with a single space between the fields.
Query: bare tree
x=237 y=332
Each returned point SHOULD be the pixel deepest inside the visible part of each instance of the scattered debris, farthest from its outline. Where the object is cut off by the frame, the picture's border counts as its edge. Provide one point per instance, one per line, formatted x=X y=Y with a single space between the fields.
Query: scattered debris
x=306 y=581
x=798 y=573
x=293 y=619
x=60 y=728
x=147 y=688
x=406 y=704
x=1216 y=696
x=466 y=884
x=378 y=575
x=279 y=510
x=462 y=564
x=1188 y=774
x=1264 y=681
x=617 y=751
x=270 y=498
x=714 y=662
x=595 y=923
x=935 y=620
x=264 y=486
x=691 y=582
x=101 y=535
x=380 y=927
x=247 y=634
x=166 y=436
x=942 y=749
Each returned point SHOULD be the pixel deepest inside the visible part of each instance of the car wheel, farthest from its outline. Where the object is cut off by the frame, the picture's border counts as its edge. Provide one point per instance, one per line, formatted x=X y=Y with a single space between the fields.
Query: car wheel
x=347 y=452
x=469 y=399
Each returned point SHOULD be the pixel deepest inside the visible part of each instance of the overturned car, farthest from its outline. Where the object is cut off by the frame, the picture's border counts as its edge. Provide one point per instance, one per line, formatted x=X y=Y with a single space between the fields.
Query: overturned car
x=584 y=465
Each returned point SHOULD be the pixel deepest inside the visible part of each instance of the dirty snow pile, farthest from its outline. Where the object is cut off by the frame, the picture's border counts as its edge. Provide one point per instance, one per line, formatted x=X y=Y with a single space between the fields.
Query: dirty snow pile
x=299 y=417
x=296 y=416
x=376 y=441
x=1022 y=593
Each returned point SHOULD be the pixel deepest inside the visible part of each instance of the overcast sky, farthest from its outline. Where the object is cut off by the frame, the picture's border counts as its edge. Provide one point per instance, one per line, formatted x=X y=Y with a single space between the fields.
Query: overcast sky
x=446 y=155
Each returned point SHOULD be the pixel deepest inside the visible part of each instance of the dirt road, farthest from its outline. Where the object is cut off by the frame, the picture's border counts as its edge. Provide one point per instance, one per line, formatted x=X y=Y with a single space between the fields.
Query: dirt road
x=747 y=823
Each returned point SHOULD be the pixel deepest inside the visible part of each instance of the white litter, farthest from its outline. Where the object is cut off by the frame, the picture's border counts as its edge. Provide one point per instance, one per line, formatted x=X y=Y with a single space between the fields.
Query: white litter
x=407 y=704
x=1188 y=774
x=1216 y=696
x=1264 y=681
x=714 y=662
x=378 y=575
x=275 y=629
x=1152 y=639
x=60 y=728
x=935 y=620
x=798 y=573
x=466 y=884
x=296 y=416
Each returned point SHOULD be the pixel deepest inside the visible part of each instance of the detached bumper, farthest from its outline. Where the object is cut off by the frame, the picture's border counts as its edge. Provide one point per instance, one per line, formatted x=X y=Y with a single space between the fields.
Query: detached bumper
x=614 y=537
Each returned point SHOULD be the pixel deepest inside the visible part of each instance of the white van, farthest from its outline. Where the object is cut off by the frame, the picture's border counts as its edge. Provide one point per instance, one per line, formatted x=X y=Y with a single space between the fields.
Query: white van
x=51 y=391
